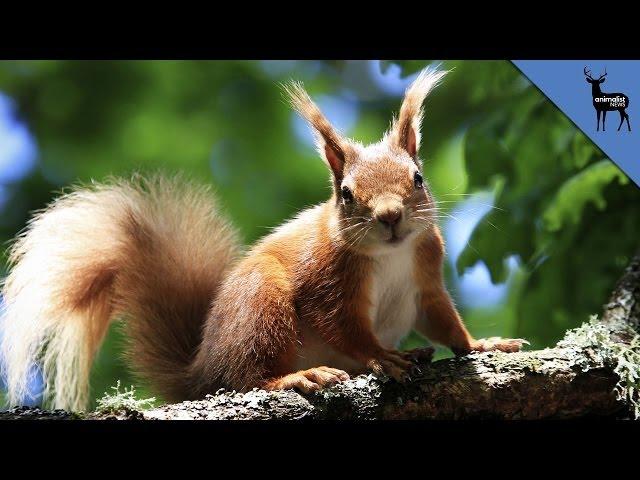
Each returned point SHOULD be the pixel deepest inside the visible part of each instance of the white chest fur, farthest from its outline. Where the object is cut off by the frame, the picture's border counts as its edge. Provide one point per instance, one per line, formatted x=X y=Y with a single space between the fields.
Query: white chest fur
x=393 y=311
x=393 y=296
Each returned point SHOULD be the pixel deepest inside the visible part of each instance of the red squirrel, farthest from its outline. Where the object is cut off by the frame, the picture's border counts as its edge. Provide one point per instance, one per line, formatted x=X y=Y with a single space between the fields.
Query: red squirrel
x=326 y=295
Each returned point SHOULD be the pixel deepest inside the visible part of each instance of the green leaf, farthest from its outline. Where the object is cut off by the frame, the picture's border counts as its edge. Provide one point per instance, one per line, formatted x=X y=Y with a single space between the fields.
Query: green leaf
x=584 y=187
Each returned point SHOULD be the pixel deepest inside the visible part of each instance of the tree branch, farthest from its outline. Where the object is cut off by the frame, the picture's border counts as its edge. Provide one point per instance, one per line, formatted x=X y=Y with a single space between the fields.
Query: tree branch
x=576 y=378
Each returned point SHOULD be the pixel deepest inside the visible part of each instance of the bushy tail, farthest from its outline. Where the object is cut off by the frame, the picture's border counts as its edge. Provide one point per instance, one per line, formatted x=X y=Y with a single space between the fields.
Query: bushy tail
x=151 y=251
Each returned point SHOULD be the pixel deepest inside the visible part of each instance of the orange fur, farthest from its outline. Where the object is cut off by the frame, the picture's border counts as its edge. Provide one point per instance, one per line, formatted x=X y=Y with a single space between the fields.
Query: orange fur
x=442 y=322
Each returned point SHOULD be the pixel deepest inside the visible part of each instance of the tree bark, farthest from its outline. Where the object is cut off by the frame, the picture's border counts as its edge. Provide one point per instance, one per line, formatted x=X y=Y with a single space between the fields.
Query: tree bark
x=573 y=379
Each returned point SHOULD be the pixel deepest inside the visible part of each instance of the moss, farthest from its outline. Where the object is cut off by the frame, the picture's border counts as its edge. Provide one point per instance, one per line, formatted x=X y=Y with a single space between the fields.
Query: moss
x=124 y=401
x=598 y=342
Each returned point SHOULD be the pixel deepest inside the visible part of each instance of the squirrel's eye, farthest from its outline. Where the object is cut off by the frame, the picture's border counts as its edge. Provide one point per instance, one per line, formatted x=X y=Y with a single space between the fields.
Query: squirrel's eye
x=347 y=196
x=417 y=180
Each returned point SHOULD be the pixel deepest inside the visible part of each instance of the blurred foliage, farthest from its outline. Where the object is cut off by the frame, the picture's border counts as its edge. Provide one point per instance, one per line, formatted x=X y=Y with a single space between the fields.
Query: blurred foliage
x=567 y=214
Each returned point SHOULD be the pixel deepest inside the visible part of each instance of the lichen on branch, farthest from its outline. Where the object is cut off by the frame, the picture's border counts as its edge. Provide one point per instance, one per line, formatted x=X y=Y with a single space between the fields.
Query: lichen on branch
x=598 y=344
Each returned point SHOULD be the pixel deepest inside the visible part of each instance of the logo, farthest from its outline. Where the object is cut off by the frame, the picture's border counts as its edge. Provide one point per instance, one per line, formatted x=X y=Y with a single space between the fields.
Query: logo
x=607 y=102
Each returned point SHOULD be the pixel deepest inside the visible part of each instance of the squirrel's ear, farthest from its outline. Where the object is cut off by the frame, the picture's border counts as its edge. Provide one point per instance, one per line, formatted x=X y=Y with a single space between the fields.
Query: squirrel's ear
x=405 y=131
x=329 y=143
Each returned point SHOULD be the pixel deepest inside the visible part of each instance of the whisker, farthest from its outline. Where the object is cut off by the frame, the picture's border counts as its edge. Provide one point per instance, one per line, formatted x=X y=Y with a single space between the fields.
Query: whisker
x=491 y=223
x=356 y=218
x=346 y=229
x=457 y=186
x=426 y=209
x=479 y=204
x=356 y=237
x=363 y=236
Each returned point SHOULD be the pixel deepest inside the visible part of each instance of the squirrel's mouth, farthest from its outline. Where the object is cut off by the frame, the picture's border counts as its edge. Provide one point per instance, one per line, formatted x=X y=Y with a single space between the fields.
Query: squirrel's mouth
x=395 y=238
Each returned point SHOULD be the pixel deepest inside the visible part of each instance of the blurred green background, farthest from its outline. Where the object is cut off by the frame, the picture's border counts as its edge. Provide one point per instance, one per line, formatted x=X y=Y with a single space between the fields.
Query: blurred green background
x=540 y=224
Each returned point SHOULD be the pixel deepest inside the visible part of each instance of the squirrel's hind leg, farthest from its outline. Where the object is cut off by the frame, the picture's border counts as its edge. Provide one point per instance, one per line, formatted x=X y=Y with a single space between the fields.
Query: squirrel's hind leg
x=309 y=380
x=251 y=337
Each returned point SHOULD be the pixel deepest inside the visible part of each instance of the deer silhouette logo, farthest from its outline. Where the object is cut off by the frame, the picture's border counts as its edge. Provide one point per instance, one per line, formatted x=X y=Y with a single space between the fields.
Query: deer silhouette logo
x=607 y=102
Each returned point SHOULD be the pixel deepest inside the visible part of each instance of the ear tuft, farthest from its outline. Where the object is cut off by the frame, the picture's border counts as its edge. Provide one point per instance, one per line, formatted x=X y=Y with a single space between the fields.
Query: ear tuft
x=329 y=143
x=405 y=131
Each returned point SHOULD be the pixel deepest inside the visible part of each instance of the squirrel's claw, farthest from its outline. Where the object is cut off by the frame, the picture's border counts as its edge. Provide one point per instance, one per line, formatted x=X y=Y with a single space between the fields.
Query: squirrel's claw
x=419 y=355
x=392 y=364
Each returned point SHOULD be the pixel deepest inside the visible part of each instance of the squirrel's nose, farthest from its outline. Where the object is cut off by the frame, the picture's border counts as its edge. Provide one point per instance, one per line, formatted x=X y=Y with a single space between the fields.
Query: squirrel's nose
x=389 y=218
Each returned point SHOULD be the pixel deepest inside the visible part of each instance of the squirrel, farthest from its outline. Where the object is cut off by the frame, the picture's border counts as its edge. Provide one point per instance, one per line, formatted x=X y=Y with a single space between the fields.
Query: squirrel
x=325 y=296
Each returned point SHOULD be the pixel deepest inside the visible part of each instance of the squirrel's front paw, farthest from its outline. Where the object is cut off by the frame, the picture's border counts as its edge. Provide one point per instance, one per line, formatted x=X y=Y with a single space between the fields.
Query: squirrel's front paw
x=498 y=343
x=392 y=364
x=418 y=355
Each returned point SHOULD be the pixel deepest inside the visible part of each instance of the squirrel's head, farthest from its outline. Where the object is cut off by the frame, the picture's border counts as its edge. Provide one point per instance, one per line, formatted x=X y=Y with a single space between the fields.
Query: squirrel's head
x=380 y=194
